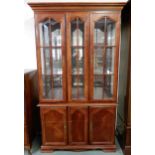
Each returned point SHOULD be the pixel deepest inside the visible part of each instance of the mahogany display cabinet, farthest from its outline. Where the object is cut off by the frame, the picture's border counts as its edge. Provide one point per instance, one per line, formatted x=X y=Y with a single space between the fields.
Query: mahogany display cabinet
x=77 y=48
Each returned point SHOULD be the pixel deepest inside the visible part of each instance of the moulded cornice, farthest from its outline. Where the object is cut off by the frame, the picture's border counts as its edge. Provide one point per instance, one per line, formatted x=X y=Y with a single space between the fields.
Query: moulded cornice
x=54 y=6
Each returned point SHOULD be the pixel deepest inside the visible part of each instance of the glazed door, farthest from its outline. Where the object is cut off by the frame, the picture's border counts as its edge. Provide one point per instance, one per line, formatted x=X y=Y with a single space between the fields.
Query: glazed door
x=51 y=56
x=104 y=45
x=78 y=125
x=102 y=125
x=77 y=55
x=54 y=128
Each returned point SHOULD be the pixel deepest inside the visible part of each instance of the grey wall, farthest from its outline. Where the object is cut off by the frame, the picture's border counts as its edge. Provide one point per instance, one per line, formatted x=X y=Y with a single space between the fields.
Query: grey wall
x=124 y=52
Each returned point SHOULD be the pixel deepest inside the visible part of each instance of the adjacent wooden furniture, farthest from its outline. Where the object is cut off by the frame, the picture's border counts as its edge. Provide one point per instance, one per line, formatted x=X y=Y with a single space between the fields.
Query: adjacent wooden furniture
x=78 y=55
x=124 y=110
x=127 y=136
x=30 y=109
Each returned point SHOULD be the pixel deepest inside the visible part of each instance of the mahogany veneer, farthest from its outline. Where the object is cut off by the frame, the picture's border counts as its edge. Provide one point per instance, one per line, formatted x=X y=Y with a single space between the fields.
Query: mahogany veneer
x=78 y=100
x=31 y=124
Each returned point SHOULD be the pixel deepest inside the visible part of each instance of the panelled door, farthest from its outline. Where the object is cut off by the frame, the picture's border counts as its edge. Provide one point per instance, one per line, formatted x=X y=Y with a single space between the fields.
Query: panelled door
x=54 y=125
x=104 y=48
x=102 y=124
x=50 y=29
x=77 y=55
x=78 y=125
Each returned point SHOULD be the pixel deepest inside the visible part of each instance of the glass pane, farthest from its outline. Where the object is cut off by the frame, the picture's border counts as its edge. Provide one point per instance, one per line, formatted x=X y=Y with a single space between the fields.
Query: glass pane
x=52 y=73
x=57 y=61
x=55 y=33
x=98 y=61
x=45 y=60
x=44 y=33
x=77 y=61
x=104 y=61
x=108 y=86
x=98 y=87
x=77 y=32
x=104 y=34
x=99 y=35
x=77 y=73
x=77 y=87
x=109 y=61
x=77 y=51
x=57 y=88
x=110 y=33
x=103 y=86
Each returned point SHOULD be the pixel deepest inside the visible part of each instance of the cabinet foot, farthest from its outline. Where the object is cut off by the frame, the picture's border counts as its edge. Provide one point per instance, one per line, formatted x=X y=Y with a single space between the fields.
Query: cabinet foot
x=46 y=150
x=109 y=150
x=104 y=148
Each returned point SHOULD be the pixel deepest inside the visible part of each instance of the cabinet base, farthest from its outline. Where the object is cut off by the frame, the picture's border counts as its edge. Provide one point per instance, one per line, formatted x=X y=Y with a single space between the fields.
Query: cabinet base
x=127 y=150
x=27 y=147
x=105 y=148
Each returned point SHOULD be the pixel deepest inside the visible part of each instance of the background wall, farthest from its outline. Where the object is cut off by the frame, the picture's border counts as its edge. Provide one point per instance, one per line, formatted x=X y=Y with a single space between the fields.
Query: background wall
x=123 y=69
x=29 y=36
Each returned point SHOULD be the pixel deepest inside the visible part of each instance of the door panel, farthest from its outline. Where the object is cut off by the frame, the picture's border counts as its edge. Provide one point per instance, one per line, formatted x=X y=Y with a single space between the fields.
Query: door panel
x=104 y=47
x=54 y=125
x=102 y=125
x=77 y=55
x=51 y=56
x=78 y=125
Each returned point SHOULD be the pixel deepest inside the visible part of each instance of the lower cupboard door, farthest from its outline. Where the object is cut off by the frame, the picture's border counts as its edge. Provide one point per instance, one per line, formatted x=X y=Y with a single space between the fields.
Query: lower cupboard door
x=54 y=125
x=78 y=125
x=102 y=125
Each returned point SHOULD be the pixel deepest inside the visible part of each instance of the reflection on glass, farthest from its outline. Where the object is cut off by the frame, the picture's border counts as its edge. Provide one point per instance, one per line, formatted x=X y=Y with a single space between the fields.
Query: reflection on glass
x=45 y=60
x=55 y=33
x=77 y=38
x=103 y=86
x=109 y=60
x=57 y=60
x=104 y=40
x=98 y=61
x=77 y=30
x=77 y=87
x=51 y=73
x=77 y=61
x=44 y=33
x=51 y=60
x=99 y=36
x=110 y=32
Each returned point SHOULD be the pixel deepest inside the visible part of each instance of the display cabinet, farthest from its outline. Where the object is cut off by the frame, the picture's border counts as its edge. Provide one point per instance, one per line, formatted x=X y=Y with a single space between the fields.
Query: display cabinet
x=78 y=59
